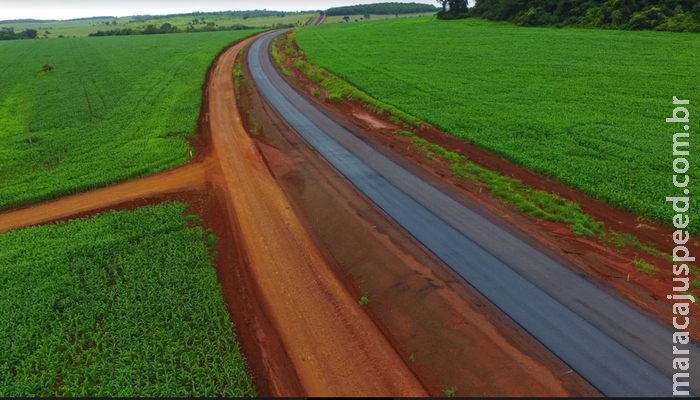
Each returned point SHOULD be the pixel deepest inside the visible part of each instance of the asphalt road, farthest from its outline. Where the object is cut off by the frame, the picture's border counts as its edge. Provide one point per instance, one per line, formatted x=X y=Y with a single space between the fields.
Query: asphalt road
x=316 y=20
x=617 y=349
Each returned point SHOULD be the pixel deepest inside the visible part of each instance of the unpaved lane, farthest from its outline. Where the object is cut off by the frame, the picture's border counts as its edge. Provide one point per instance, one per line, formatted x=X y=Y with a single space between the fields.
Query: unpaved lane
x=188 y=177
x=333 y=345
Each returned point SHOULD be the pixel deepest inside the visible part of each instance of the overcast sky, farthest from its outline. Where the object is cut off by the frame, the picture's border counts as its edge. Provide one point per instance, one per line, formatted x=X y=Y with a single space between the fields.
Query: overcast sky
x=67 y=9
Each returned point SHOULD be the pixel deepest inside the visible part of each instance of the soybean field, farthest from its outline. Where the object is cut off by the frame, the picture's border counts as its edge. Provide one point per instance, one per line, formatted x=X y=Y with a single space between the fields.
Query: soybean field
x=586 y=107
x=80 y=113
x=122 y=304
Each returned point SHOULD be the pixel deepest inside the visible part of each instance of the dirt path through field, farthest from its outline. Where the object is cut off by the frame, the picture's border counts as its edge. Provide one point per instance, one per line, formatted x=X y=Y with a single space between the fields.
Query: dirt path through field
x=187 y=177
x=334 y=346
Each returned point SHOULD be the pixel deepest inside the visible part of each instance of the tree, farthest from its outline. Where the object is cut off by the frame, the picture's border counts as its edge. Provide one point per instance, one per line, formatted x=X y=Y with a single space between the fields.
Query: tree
x=30 y=33
x=366 y=15
x=114 y=22
x=457 y=6
x=346 y=18
x=443 y=3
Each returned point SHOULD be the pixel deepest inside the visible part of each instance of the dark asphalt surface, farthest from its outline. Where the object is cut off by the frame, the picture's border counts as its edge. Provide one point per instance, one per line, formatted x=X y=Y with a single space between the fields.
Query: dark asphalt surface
x=316 y=20
x=617 y=349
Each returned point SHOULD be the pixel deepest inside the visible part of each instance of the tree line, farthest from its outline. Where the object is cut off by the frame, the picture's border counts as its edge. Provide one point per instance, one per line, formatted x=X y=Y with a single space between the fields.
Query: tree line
x=381 y=9
x=168 y=28
x=246 y=14
x=10 y=34
x=665 y=15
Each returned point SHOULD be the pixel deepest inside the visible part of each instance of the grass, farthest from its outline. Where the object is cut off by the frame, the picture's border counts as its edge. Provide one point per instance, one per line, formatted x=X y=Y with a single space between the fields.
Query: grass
x=111 y=109
x=644 y=267
x=450 y=392
x=338 y=88
x=279 y=57
x=586 y=107
x=374 y=17
x=122 y=304
x=364 y=301
x=536 y=203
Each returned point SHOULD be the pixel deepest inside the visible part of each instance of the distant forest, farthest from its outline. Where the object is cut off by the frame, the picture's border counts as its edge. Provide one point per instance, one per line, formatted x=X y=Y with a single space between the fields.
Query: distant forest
x=663 y=15
x=382 y=9
x=245 y=14
x=168 y=28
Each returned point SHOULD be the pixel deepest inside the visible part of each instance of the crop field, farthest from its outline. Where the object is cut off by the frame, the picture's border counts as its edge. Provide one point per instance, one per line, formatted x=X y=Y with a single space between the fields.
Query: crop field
x=111 y=109
x=121 y=304
x=227 y=20
x=586 y=107
x=374 y=17
x=83 y=27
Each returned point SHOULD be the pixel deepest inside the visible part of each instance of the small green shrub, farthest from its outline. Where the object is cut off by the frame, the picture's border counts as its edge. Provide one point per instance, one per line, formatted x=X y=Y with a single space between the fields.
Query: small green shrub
x=644 y=267
x=335 y=97
x=364 y=301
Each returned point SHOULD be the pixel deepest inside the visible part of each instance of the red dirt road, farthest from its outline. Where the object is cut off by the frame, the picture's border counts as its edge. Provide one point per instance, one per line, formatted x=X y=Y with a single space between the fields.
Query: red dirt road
x=188 y=177
x=334 y=347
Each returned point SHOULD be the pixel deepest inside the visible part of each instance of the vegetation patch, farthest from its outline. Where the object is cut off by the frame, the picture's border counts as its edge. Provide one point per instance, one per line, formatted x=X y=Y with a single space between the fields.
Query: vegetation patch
x=122 y=304
x=664 y=15
x=364 y=301
x=644 y=267
x=536 y=203
x=338 y=88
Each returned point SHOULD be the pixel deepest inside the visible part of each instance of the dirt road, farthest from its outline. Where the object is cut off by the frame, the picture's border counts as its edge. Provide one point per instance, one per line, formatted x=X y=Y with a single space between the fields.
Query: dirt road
x=188 y=177
x=335 y=348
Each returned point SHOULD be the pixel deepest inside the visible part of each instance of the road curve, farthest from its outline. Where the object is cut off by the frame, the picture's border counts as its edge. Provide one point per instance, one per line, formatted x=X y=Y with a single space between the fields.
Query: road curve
x=310 y=308
x=617 y=349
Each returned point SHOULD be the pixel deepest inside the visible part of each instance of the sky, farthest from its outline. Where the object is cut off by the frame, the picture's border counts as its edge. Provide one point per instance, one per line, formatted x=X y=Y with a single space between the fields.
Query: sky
x=68 y=9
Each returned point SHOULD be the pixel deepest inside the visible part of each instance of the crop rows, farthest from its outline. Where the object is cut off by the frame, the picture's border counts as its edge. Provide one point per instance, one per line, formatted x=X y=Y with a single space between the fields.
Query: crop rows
x=586 y=107
x=111 y=109
x=121 y=304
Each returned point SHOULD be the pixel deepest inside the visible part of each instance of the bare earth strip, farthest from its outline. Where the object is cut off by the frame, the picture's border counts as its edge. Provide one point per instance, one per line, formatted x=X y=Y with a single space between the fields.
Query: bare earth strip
x=333 y=345
x=191 y=176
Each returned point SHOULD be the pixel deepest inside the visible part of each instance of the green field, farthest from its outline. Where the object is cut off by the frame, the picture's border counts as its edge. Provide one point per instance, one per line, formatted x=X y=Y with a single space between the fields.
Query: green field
x=84 y=27
x=586 y=107
x=121 y=304
x=113 y=108
x=373 y=17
